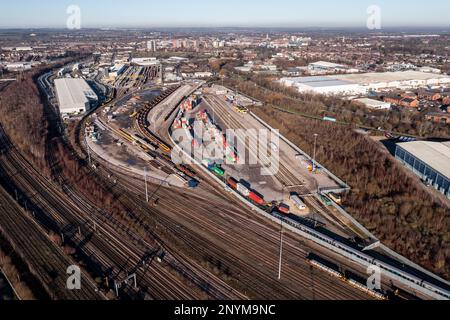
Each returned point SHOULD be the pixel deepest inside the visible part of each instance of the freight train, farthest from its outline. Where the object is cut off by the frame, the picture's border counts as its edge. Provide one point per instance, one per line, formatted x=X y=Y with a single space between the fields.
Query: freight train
x=246 y=192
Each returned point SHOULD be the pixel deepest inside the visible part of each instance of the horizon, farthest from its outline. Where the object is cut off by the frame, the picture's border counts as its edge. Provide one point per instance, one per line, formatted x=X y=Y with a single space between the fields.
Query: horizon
x=289 y=14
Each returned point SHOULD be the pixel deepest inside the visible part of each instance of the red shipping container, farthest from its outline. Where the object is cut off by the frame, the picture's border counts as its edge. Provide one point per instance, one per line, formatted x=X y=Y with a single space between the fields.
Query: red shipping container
x=257 y=199
x=283 y=208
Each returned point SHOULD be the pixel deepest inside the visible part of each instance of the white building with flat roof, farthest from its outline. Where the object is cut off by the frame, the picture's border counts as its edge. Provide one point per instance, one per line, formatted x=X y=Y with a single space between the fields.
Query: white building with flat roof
x=363 y=83
x=373 y=104
x=399 y=79
x=321 y=67
x=323 y=85
x=148 y=61
x=74 y=95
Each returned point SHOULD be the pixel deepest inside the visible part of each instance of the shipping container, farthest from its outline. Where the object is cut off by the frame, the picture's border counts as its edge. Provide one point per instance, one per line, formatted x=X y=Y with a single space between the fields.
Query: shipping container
x=257 y=199
x=243 y=189
x=217 y=170
x=232 y=156
x=284 y=208
x=177 y=124
x=206 y=162
x=230 y=159
x=232 y=183
x=193 y=183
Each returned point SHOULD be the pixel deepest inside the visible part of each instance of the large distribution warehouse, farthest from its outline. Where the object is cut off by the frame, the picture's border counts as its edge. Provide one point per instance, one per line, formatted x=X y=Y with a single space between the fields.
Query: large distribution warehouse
x=74 y=95
x=429 y=160
x=363 y=83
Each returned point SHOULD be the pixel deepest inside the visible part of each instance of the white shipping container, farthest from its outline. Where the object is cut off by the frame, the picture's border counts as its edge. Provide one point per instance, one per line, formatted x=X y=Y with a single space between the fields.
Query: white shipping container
x=243 y=190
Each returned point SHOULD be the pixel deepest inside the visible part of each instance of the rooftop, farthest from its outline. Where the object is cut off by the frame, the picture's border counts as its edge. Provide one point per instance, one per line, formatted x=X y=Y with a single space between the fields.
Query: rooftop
x=318 y=82
x=327 y=64
x=434 y=154
x=371 y=102
x=72 y=92
x=373 y=77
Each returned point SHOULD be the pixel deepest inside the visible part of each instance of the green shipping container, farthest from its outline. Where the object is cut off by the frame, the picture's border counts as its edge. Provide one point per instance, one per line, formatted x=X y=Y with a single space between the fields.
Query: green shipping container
x=218 y=171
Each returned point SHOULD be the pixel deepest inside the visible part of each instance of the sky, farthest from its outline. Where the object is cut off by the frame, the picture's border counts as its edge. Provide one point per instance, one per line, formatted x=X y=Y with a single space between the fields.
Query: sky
x=223 y=13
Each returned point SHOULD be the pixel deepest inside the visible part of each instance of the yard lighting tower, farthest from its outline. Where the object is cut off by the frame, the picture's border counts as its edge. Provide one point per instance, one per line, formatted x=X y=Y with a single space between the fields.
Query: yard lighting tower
x=315 y=148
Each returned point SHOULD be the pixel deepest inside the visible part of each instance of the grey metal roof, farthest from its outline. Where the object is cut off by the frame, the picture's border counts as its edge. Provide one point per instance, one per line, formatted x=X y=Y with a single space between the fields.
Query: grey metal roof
x=73 y=93
x=434 y=154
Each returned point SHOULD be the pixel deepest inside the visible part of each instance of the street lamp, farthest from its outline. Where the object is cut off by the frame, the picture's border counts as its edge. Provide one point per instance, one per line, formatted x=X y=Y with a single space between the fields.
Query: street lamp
x=281 y=251
x=314 y=157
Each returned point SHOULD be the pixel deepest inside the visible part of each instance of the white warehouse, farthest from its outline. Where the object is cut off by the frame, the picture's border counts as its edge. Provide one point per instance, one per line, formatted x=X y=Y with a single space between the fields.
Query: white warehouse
x=74 y=95
x=323 y=85
x=361 y=84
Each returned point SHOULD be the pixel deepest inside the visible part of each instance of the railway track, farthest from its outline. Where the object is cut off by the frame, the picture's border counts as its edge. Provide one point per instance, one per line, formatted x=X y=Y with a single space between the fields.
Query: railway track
x=205 y=230
x=248 y=274
x=46 y=260
x=284 y=175
x=111 y=249
x=286 y=178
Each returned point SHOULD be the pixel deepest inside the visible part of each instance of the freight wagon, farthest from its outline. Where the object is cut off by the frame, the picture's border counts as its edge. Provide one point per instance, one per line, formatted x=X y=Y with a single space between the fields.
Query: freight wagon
x=365 y=289
x=403 y=295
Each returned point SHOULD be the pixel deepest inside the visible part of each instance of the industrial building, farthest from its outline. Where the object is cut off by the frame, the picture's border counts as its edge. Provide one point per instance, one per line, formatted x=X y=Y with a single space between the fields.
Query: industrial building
x=116 y=70
x=429 y=160
x=323 y=67
x=74 y=95
x=323 y=85
x=363 y=83
x=144 y=62
x=373 y=104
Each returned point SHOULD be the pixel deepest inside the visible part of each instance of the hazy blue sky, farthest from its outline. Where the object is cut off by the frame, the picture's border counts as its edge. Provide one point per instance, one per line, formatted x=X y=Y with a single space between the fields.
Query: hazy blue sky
x=270 y=13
